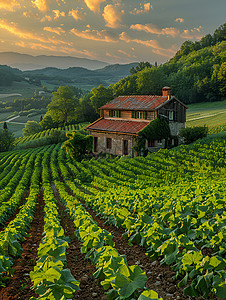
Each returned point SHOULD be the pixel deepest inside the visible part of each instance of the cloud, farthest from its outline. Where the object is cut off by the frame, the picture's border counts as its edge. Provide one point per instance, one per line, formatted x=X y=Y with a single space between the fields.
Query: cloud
x=145 y=9
x=180 y=20
x=95 y=35
x=57 y=30
x=149 y=43
x=48 y=18
x=150 y=28
x=94 y=5
x=9 y=5
x=42 y=5
x=192 y=33
x=76 y=14
x=29 y=14
x=26 y=35
x=112 y=16
x=58 y=14
x=112 y=56
x=126 y=54
x=11 y=27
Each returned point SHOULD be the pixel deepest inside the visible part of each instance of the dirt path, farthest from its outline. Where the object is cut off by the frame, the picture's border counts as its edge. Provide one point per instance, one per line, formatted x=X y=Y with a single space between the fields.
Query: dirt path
x=20 y=284
x=80 y=268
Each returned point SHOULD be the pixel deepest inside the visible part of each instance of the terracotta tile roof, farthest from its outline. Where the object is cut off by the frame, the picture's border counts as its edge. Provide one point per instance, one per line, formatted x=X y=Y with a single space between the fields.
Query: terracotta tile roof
x=144 y=102
x=132 y=127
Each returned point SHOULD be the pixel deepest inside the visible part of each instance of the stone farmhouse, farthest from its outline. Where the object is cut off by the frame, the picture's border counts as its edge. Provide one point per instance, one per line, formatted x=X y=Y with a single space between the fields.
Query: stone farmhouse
x=122 y=118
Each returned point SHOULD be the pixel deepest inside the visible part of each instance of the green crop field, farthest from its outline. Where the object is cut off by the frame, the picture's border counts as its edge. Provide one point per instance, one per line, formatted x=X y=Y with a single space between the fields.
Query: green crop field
x=134 y=228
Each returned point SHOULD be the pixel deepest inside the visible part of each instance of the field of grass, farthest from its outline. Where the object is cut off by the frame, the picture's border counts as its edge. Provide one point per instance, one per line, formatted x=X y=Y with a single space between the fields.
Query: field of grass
x=4 y=116
x=16 y=129
x=23 y=88
x=210 y=114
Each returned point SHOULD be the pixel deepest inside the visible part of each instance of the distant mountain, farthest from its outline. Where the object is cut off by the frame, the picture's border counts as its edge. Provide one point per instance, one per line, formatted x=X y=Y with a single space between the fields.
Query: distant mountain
x=81 y=77
x=28 y=62
x=74 y=76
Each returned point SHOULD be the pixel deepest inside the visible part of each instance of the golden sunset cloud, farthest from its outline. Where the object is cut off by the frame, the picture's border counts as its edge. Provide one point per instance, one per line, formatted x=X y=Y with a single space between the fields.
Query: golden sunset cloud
x=42 y=5
x=94 y=5
x=57 y=30
x=76 y=14
x=180 y=20
x=112 y=16
x=26 y=35
x=58 y=14
x=9 y=5
x=150 y=28
x=147 y=7
x=95 y=35
x=149 y=43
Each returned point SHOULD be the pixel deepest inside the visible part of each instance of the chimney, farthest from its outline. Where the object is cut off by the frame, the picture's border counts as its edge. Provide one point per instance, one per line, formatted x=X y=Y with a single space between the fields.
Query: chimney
x=166 y=91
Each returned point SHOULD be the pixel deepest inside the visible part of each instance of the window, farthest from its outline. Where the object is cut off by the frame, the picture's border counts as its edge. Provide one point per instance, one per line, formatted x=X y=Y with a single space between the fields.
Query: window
x=171 y=115
x=114 y=113
x=108 y=143
x=138 y=115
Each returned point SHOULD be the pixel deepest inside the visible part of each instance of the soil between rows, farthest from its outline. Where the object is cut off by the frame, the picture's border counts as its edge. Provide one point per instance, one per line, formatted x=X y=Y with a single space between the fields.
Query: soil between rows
x=19 y=286
x=160 y=277
x=80 y=268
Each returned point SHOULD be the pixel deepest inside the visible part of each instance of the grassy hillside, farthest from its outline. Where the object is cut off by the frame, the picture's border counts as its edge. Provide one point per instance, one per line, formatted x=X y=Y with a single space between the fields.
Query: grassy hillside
x=209 y=114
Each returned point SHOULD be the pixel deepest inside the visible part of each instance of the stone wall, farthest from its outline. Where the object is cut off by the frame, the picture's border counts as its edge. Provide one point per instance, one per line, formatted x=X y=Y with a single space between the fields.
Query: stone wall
x=116 y=144
x=175 y=128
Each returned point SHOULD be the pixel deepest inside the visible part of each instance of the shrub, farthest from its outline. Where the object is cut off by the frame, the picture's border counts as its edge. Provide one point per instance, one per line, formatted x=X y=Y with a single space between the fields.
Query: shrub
x=191 y=134
x=77 y=144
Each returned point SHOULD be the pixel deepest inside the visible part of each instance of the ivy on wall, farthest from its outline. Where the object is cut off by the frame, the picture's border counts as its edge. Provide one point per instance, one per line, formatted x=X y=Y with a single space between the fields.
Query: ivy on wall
x=157 y=129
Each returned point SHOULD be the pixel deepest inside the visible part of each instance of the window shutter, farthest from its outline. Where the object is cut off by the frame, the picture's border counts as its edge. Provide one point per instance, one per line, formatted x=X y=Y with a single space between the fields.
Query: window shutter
x=133 y=114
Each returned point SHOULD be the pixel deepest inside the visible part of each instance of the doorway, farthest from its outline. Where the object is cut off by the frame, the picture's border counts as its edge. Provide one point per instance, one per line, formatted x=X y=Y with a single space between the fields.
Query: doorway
x=125 y=147
x=95 y=144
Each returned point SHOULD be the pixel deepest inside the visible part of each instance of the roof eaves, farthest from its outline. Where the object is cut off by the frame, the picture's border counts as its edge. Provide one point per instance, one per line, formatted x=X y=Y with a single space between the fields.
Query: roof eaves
x=87 y=127
x=167 y=101
x=108 y=131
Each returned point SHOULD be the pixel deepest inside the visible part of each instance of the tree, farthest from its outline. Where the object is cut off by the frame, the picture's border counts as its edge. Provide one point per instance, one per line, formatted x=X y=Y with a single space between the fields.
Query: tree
x=77 y=144
x=142 y=65
x=6 y=140
x=101 y=96
x=46 y=122
x=31 y=127
x=63 y=105
x=85 y=111
x=150 y=81
x=5 y=127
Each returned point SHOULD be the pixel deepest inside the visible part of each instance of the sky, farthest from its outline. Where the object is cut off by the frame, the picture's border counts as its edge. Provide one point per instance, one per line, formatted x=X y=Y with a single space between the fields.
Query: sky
x=113 y=31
